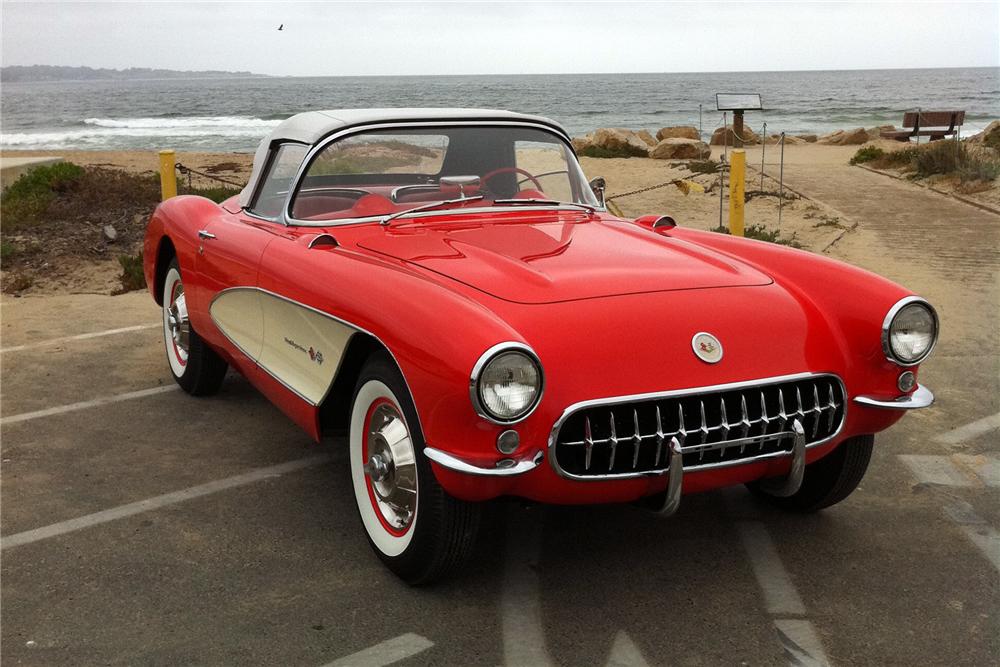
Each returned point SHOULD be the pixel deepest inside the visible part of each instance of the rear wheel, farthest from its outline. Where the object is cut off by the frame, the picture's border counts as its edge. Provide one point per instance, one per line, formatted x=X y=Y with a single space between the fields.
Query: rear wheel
x=195 y=367
x=827 y=481
x=419 y=531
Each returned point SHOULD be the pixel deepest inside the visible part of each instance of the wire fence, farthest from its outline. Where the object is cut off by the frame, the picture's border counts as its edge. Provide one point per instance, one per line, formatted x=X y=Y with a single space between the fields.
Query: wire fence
x=184 y=170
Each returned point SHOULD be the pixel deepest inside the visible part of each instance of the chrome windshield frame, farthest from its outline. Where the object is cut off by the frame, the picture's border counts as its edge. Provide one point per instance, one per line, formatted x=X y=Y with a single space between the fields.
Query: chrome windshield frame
x=285 y=216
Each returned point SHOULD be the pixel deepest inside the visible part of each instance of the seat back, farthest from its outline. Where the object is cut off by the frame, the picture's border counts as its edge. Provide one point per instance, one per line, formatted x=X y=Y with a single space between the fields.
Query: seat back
x=925 y=119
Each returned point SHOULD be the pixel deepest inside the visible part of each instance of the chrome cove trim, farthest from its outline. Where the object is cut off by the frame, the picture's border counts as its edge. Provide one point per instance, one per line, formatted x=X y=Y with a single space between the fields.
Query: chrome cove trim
x=285 y=216
x=887 y=348
x=922 y=397
x=616 y=400
x=337 y=372
x=458 y=465
x=477 y=369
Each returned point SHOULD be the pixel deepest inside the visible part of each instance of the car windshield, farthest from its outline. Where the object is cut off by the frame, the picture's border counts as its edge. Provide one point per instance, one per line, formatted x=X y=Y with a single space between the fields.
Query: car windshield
x=390 y=172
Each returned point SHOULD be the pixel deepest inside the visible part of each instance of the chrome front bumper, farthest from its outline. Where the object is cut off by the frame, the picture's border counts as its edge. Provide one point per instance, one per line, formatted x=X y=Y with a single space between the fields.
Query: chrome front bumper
x=502 y=468
x=921 y=398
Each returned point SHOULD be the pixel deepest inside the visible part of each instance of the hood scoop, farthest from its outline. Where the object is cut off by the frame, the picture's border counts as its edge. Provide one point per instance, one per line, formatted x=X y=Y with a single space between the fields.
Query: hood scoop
x=555 y=260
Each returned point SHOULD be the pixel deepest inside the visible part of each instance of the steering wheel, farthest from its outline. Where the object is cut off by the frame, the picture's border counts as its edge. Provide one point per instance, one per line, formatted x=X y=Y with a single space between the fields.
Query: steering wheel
x=512 y=170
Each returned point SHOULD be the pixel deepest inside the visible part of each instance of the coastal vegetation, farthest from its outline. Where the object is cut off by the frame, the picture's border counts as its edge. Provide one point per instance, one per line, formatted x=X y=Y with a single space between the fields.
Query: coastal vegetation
x=762 y=233
x=55 y=216
x=968 y=164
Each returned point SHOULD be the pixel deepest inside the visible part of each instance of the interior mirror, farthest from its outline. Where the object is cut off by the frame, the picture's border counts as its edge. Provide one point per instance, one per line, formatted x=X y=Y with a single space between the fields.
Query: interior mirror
x=597 y=185
x=460 y=182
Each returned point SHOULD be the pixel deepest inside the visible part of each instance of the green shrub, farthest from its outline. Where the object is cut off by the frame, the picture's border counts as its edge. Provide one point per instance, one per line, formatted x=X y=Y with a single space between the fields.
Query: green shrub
x=217 y=194
x=867 y=154
x=762 y=233
x=25 y=201
x=601 y=152
x=7 y=250
x=132 y=276
x=703 y=166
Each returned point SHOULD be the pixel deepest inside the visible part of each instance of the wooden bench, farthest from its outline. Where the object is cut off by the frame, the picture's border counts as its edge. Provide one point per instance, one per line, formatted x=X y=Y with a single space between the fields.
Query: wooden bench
x=941 y=124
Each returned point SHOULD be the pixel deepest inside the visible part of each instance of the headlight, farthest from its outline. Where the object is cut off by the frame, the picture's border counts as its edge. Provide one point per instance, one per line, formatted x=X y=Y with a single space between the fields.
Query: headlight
x=909 y=331
x=506 y=383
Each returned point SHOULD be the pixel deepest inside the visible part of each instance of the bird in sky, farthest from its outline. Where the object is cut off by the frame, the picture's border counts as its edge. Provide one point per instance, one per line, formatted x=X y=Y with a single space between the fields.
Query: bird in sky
x=281 y=27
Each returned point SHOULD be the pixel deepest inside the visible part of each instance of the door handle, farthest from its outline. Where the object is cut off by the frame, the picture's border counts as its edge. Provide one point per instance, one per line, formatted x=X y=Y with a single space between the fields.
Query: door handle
x=205 y=234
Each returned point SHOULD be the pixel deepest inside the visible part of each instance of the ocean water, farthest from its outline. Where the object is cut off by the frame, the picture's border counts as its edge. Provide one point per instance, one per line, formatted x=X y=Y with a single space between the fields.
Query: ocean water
x=234 y=114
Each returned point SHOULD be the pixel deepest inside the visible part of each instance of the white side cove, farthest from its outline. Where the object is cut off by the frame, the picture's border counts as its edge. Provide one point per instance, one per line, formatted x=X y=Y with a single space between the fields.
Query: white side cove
x=299 y=346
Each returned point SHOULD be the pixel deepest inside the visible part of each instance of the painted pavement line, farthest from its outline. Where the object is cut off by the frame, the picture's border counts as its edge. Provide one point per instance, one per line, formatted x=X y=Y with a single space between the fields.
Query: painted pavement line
x=979 y=532
x=520 y=603
x=86 y=336
x=970 y=431
x=157 y=502
x=798 y=637
x=937 y=470
x=385 y=653
x=800 y=642
x=93 y=403
x=780 y=596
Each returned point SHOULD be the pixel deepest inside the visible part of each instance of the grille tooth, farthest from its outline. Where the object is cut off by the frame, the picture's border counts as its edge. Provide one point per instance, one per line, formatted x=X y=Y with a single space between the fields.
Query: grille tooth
x=819 y=410
x=613 y=439
x=636 y=438
x=716 y=436
x=659 y=436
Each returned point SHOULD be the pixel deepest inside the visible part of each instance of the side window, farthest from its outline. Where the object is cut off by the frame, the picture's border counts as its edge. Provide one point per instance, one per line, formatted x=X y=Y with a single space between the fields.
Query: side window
x=278 y=179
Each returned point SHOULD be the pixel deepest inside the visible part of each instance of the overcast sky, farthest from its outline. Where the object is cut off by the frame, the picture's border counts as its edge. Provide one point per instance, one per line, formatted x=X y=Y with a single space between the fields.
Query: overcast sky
x=500 y=37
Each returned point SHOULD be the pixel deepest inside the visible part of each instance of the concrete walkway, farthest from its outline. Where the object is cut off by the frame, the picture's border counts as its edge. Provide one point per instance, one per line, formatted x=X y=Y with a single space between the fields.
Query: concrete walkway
x=11 y=168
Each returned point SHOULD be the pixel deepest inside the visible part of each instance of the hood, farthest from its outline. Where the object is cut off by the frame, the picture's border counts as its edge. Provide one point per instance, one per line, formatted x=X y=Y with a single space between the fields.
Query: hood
x=559 y=258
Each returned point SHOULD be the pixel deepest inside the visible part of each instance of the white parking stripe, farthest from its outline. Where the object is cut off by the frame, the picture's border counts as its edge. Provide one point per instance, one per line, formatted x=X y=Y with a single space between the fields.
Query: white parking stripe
x=801 y=644
x=937 y=470
x=520 y=606
x=970 y=431
x=93 y=403
x=624 y=652
x=976 y=529
x=63 y=527
x=385 y=653
x=67 y=339
x=780 y=596
x=986 y=468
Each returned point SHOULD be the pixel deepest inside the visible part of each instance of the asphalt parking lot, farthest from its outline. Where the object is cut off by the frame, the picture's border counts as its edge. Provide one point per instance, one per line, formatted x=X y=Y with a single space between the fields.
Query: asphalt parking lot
x=142 y=526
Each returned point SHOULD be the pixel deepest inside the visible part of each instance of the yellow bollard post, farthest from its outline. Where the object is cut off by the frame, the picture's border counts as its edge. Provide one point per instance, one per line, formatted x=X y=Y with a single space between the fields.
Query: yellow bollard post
x=168 y=176
x=737 y=178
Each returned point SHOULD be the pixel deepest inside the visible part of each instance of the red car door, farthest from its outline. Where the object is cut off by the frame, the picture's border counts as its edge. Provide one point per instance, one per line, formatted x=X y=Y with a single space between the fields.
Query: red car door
x=229 y=253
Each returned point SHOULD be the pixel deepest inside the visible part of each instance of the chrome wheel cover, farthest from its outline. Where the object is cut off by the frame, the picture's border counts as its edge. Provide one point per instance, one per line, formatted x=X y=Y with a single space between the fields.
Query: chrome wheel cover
x=178 y=323
x=390 y=467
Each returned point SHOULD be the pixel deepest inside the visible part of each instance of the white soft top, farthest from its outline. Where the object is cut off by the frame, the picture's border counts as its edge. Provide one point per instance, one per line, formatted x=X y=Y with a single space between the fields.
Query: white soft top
x=311 y=126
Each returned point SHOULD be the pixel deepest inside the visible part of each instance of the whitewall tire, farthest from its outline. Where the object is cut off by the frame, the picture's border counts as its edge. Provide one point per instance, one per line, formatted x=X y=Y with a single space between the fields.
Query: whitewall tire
x=195 y=366
x=416 y=529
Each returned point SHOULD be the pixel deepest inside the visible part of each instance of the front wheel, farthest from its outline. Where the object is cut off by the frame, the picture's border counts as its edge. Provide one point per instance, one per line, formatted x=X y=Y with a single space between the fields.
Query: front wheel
x=195 y=367
x=419 y=531
x=827 y=481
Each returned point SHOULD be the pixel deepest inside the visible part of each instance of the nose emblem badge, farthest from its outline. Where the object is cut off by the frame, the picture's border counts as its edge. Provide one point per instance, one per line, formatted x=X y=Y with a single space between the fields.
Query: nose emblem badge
x=707 y=347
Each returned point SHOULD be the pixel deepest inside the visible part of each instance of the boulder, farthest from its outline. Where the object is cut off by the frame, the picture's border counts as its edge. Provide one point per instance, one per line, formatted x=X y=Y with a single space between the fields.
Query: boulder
x=678 y=132
x=808 y=138
x=876 y=132
x=622 y=141
x=581 y=143
x=719 y=137
x=680 y=148
x=789 y=140
x=854 y=137
x=647 y=137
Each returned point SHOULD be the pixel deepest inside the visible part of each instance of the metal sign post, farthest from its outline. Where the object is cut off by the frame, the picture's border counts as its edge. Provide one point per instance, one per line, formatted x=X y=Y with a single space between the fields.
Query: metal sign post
x=738 y=103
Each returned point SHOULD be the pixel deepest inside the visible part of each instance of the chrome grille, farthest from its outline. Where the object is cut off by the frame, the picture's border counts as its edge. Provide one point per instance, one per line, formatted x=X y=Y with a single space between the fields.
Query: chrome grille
x=715 y=426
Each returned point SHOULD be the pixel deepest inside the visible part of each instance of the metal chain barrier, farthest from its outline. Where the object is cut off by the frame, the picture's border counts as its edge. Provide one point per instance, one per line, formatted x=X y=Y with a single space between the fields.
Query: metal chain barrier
x=188 y=171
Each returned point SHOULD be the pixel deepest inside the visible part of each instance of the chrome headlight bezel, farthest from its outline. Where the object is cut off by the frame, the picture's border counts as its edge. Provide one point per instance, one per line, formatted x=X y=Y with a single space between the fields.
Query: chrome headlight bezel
x=477 y=371
x=887 y=328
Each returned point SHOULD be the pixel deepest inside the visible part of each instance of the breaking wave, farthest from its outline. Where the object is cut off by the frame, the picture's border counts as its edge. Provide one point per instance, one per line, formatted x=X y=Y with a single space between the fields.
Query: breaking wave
x=130 y=132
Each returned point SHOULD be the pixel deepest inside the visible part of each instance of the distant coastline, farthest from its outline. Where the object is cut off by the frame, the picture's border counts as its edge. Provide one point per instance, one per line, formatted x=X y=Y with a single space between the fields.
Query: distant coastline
x=32 y=73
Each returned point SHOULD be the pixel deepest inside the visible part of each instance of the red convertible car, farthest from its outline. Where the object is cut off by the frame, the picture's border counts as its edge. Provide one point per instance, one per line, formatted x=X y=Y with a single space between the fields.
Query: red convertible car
x=446 y=288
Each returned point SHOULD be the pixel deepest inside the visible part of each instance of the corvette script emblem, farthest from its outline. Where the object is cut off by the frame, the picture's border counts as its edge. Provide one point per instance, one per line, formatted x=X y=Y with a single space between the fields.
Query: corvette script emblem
x=707 y=347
